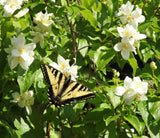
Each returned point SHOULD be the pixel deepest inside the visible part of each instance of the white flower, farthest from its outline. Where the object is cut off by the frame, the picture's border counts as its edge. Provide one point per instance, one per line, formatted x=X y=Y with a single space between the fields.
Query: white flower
x=132 y=89
x=127 y=31
x=29 y=100
x=136 y=17
x=24 y=100
x=2 y=2
x=42 y=29
x=21 y=13
x=73 y=72
x=137 y=36
x=127 y=15
x=43 y=23
x=38 y=38
x=125 y=9
x=125 y=46
x=62 y=65
x=10 y=6
x=43 y=18
x=18 y=99
x=65 y=68
x=20 y=53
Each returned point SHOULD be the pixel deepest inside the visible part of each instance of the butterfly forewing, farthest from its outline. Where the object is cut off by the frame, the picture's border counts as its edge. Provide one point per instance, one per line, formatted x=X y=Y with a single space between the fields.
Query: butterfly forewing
x=62 y=89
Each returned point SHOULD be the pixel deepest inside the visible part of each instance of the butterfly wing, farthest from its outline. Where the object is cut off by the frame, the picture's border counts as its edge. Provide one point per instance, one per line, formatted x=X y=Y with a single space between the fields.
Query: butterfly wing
x=76 y=91
x=62 y=89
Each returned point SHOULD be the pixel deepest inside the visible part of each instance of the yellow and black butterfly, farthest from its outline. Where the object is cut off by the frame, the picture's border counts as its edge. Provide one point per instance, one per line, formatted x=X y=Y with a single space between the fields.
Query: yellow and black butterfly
x=62 y=89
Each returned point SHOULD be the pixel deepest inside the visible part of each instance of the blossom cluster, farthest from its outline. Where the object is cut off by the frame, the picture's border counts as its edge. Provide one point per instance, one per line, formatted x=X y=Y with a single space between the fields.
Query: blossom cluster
x=24 y=100
x=132 y=89
x=20 y=53
x=10 y=6
x=64 y=66
x=42 y=28
x=129 y=32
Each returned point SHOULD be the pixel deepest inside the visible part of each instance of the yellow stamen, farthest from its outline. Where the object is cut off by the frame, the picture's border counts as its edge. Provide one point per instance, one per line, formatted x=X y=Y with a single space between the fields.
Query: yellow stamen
x=38 y=37
x=138 y=96
x=62 y=66
x=12 y=5
x=127 y=91
x=18 y=99
x=129 y=18
x=136 y=43
x=28 y=103
x=126 y=33
x=124 y=46
x=66 y=74
x=19 y=59
x=44 y=22
x=21 y=50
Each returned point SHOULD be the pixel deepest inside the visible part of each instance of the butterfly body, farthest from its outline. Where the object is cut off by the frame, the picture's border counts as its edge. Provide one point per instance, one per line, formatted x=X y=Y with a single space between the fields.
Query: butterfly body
x=62 y=90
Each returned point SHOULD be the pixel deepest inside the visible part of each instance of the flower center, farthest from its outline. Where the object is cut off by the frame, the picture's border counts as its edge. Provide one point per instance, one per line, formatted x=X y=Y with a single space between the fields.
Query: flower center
x=44 y=22
x=137 y=86
x=21 y=50
x=67 y=73
x=124 y=46
x=126 y=33
x=28 y=103
x=127 y=91
x=19 y=59
x=129 y=18
x=62 y=66
x=136 y=43
x=12 y=5
x=18 y=99
x=38 y=37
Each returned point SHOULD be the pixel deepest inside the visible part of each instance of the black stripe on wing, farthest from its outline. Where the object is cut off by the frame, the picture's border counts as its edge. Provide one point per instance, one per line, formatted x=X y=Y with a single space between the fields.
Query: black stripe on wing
x=45 y=74
x=83 y=97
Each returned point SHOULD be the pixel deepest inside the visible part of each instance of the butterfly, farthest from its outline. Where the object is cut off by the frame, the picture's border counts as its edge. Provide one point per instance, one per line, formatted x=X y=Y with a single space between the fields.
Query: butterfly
x=62 y=90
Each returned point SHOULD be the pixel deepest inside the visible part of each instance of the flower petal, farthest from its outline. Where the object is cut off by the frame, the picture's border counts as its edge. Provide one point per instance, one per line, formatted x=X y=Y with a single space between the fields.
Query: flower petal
x=29 y=110
x=120 y=90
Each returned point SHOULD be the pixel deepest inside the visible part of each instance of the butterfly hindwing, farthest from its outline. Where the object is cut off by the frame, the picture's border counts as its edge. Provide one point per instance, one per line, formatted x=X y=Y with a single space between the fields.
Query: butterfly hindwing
x=62 y=89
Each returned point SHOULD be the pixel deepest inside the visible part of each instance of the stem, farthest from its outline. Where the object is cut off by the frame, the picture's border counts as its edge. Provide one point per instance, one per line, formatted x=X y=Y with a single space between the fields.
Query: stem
x=61 y=125
x=72 y=34
x=48 y=129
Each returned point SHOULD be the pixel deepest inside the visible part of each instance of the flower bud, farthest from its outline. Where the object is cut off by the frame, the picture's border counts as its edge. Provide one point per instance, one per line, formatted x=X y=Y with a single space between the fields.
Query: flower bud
x=153 y=65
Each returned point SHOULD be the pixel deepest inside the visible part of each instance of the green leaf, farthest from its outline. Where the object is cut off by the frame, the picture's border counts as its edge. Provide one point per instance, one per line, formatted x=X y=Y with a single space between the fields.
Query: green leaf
x=21 y=126
x=4 y=124
x=133 y=63
x=147 y=53
x=87 y=14
x=111 y=118
x=103 y=56
x=83 y=43
x=134 y=121
x=152 y=128
x=87 y=3
x=115 y=100
x=26 y=80
x=154 y=108
x=72 y=11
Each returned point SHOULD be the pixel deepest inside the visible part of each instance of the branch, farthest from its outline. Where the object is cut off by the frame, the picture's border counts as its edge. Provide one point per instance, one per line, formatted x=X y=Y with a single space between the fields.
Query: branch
x=48 y=129
x=48 y=5
x=72 y=34
x=61 y=125
x=83 y=48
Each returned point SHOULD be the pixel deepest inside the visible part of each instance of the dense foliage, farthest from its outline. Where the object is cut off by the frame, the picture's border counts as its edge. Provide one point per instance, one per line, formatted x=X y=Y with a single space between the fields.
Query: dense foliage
x=85 y=32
